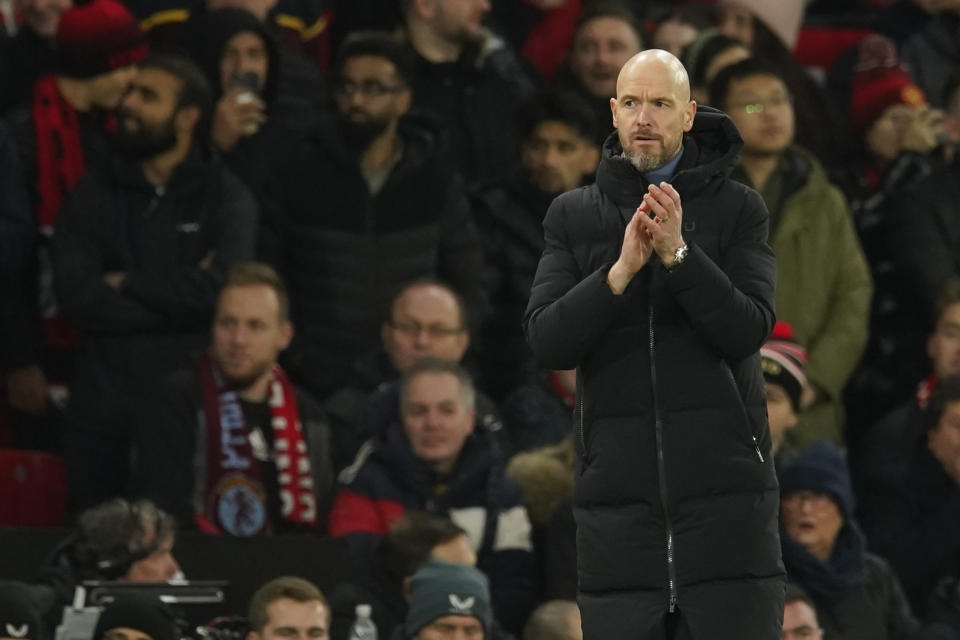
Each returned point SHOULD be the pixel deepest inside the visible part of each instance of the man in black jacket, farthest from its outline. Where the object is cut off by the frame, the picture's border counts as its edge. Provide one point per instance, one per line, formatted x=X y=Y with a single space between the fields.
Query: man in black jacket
x=662 y=307
x=139 y=252
x=369 y=204
x=229 y=445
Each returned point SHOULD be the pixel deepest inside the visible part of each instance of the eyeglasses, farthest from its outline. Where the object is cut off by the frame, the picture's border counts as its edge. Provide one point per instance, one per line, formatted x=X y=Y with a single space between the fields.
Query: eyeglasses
x=434 y=331
x=759 y=106
x=369 y=88
x=796 y=499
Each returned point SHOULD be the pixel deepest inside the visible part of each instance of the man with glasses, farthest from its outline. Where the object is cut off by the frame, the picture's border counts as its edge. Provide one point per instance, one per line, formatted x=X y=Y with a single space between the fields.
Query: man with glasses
x=369 y=204
x=436 y=458
x=426 y=319
x=823 y=281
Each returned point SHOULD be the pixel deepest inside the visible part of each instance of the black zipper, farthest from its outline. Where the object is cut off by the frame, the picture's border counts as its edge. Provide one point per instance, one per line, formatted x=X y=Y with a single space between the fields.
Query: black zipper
x=580 y=435
x=743 y=412
x=662 y=474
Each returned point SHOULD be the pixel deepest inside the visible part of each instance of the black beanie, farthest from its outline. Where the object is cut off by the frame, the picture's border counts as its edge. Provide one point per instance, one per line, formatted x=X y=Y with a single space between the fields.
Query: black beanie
x=821 y=467
x=19 y=617
x=138 y=611
x=441 y=589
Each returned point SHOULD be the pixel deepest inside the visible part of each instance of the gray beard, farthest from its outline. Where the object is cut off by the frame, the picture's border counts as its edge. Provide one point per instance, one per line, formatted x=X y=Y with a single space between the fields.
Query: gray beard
x=644 y=163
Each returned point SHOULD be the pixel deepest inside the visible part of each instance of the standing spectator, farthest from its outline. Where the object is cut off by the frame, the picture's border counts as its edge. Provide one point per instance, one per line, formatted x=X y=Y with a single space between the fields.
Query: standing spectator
x=288 y=606
x=436 y=459
x=142 y=299
x=607 y=35
x=932 y=54
x=31 y=53
x=706 y=56
x=230 y=445
x=557 y=154
x=823 y=281
x=770 y=28
x=59 y=137
x=455 y=82
x=393 y=209
x=858 y=594
x=784 y=364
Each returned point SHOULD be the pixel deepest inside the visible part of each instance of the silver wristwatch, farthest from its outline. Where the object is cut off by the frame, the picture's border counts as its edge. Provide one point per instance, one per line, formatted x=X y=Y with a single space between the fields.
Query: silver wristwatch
x=678 y=256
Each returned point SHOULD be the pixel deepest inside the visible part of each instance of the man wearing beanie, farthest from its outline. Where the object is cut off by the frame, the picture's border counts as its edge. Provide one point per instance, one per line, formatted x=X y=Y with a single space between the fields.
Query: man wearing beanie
x=136 y=616
x=857 y=594
x=784 y=364
x=448 y=599
x=823 y=282
x=19 y=612
x=59 y=135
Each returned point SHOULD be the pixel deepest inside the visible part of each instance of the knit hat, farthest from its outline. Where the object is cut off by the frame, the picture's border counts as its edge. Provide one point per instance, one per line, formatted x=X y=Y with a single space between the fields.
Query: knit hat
x=443 y=589
x=138 y=611
x=19 y=617
x=784 y=363
x=879 y=81
x=97 y=37
x=821 y=467
x=782 y=17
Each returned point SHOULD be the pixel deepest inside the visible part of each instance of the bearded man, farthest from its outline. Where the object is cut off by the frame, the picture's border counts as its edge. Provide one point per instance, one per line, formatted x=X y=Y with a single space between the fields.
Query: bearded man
x=657 y=284
x=229 y=445
x=139 y=251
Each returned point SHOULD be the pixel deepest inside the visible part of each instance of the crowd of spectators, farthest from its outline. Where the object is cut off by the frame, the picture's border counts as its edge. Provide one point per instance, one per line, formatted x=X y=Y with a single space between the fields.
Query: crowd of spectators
x=264 y=263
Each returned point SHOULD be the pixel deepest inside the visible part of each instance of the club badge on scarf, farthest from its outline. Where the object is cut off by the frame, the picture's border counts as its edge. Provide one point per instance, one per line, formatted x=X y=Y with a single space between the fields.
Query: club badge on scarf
x=234 y=499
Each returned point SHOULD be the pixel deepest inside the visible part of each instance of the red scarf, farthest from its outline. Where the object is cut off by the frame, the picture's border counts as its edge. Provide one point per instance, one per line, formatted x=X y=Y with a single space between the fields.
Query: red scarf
x=59 y=166
x=925 y=390
x=234 y=500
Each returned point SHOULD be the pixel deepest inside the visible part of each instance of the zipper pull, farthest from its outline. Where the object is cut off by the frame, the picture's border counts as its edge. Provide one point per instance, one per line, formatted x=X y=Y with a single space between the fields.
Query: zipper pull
x=673 y=602
x=756 y=447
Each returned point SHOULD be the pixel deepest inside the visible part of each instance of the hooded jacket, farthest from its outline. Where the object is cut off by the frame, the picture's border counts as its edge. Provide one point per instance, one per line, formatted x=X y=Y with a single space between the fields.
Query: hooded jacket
x=676 y=499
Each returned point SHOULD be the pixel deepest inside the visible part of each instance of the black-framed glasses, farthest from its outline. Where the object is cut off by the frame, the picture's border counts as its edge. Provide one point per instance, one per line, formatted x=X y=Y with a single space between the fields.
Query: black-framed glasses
x=368 y=88
x=755 y=107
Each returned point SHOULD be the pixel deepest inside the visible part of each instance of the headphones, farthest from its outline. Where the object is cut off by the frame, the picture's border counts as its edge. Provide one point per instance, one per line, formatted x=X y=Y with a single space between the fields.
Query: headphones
x=109 y=543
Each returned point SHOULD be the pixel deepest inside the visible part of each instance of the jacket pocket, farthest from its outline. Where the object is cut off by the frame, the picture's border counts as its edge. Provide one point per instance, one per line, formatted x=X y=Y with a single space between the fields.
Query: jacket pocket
x=752 y=441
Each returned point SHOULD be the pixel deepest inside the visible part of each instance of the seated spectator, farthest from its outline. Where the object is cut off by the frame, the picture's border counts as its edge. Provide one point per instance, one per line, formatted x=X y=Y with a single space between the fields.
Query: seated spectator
x=784 y=364
x=426 y=319
x=770 y=29
x=679 y=27
x=60 y=133
x=436 y=459
x=230 y=445
x=448 y=600
x=858 y=595
x=136 y=616
x=926 y=252
x=554 y=620
x=931 y=55
x=19 y=613
x=393 y=210
x=823 y=281
x=382 y=578
x=288 y=607
x=896 y=132
x=706 y=56
x=911 y=489
x=800 y=616
x=142 y=299
x=461 y=80
x=607 y=35
x=116 y=540
x=557 y=154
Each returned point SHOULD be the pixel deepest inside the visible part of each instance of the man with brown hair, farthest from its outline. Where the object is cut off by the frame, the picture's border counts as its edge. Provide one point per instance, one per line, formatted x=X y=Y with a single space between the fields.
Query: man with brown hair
x=230 y=444
x=289 y=607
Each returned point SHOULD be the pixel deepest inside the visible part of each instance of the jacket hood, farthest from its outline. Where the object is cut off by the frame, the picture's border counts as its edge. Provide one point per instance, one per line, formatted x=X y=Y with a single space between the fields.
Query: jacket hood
x=212 y=32
x=710 y=151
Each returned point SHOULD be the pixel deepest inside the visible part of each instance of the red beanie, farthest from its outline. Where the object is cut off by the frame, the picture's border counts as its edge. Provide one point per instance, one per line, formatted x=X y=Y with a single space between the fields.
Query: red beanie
x=97 y=37
x=784 y=362
x=879 y=81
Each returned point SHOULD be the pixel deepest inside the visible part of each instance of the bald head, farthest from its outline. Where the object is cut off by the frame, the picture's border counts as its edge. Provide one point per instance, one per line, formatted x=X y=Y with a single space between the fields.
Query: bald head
x=660 y=64
x=652 y=109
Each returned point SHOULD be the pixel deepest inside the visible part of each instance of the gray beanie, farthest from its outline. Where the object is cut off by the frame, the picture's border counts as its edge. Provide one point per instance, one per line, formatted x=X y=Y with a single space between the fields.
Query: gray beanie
x=442 y=589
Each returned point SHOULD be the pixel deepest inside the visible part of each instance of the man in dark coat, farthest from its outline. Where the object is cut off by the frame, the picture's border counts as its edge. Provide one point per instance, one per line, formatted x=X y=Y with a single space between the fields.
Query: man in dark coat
x=662 y=308
x=139 y=252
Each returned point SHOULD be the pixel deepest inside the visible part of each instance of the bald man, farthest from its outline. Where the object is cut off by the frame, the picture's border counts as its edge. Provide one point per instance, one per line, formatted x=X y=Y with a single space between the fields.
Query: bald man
x=656 y=283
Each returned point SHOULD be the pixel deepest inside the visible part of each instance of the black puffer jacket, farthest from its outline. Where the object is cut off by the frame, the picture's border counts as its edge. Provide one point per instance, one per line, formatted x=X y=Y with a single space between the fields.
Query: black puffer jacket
x=346 y=252
x=676 y=499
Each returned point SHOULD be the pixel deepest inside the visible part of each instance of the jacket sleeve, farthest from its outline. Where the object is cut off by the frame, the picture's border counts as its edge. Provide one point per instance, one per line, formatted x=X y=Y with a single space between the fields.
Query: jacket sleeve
x=188 y=294
x=840 y=340
x=359 y=508
x=567 y=312
x=460 y=253
x=900 y=621
x=85 y=299
x=510 y=564
x=731 y=304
